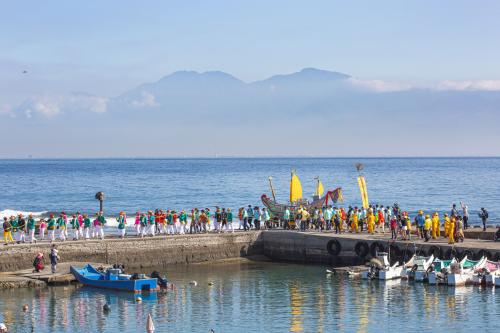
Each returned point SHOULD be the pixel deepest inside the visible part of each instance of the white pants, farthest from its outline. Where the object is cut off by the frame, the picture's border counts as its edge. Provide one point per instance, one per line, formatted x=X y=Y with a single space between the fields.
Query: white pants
x=32 y=235
x=216 y=226
x=100 y=231
x=80 y=231
x=229 y=226
x=87 y=232
x=94 y=231
x=138 y=229
x=151 y=229
x=76 y=233
x=52 y=235
x=241 y=225
x=42 y=233
x=22 y=236
x=62 y=234
x=170 y=229
x=177 y=227
x=122 y=232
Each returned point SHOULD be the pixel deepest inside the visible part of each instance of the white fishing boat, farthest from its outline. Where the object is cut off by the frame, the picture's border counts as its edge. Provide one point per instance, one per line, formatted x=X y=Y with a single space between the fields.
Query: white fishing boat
x=439 y=271
x=419 y=268
x=488 y=274
x=381 y=269
x=463 y=273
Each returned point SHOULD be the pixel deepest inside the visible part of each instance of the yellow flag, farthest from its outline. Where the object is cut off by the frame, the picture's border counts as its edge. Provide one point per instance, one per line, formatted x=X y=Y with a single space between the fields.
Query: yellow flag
x=364 y=192
x=295 y=188
x=319 y=189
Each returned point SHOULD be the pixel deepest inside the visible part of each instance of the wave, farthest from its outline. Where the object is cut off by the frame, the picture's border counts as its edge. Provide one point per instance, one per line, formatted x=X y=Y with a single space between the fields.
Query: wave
x=13 y=212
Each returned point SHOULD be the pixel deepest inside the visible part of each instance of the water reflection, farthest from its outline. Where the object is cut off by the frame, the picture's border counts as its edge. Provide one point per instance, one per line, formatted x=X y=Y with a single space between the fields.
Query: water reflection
x=256 y=297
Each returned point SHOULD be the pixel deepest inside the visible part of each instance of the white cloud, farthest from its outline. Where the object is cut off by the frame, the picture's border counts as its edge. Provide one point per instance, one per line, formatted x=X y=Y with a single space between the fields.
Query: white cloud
x=379 y=85
x=53 y=105
x=487 y=85
x=147 y=100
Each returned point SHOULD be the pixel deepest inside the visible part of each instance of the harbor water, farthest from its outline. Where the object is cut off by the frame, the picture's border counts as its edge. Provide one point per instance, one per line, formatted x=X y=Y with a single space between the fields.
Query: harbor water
x=257 y=297
x=432 y=184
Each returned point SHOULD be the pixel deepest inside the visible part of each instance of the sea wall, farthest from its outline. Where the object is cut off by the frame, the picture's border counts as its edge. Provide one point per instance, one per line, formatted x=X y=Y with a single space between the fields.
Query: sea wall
x=137 y=252
x=355 y=249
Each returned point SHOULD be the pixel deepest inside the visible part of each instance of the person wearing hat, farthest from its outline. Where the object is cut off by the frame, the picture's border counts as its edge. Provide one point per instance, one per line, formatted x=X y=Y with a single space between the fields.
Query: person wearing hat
x=451 y=230
x=61 y=225
x=144 y=224
x=76 y=226
x=183 y=222
x=435 y=226
x=151 y=224
x=51 y=227
x=427 y=227
x=38 y=263
x=122 y=221
x=137 y=223
x=21 y=228
x=446 y=225
x=7 y=231
x=102 y=223
x=419 y=221
x=31 y=228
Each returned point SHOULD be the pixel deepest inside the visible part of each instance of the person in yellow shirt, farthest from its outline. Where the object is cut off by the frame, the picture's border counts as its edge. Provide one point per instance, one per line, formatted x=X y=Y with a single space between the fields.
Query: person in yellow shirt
x=446 y=225
x=451 y=231
x=370 y=222
x=435 y=226
x=427 y=227
x=354 y=221
x=408 y=227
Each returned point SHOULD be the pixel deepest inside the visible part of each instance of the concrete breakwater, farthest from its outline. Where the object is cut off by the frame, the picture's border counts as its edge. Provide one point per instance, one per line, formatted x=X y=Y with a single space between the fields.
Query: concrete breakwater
x=355 y=249
x=280 y=245
x=136 y=252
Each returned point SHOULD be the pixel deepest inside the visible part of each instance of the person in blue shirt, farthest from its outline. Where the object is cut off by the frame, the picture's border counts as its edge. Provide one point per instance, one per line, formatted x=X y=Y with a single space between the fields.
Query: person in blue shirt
x=420 y=221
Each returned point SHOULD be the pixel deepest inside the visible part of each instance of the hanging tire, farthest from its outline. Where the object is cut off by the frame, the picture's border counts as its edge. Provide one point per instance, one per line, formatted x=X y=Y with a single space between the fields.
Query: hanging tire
x=362 y=249
x=469 y=253
x=436 y=251
x=496 y=257
x=394 y=252
x=451 y=253
x=483 y=253
x=333 y=247
x=375 y=248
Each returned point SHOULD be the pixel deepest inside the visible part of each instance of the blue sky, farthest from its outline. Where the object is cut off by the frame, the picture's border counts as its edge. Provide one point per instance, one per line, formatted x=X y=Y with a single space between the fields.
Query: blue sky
x=105 y=48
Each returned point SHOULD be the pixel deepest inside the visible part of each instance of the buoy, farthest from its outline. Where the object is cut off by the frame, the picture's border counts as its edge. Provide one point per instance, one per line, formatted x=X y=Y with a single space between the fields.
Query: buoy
x=150 y=326
x=193 y=283
x=138 y=299
x=25 y=307
x=106 y=308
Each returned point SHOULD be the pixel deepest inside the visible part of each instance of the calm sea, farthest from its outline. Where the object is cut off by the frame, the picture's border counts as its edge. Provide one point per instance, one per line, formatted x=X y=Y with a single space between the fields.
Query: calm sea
x=432 y=184
x=258 y=297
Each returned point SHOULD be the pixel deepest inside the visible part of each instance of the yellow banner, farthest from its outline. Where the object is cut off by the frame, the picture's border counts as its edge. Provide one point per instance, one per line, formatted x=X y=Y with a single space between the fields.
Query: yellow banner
x=364 y=192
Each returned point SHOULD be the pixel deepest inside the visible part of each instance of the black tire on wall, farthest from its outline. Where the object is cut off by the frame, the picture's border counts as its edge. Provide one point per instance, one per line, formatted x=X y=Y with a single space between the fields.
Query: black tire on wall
x=333 y=247
x=451 y=253
x=483 y=253
x=376 y=247
x=362 y=249
x=394 y=252
x=467 y=252
x=436 y=251
x=496 y=257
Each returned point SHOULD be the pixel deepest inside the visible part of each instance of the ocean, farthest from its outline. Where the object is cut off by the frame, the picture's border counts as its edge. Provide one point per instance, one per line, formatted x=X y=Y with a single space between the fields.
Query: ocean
x=130 y=185
x=257 y=297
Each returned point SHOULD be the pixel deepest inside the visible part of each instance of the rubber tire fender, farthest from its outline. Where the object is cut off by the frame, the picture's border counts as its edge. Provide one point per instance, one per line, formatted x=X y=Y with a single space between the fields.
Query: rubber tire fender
x=451 y=253
x=436 y=251
x=467 y=252
x=333 y=247
x=483 y=252
x=376 y=247
x=361 y=249
x=394 y=252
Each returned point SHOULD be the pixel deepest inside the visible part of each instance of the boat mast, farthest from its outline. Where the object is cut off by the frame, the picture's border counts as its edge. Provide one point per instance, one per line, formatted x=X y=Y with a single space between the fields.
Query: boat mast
x=272 y=188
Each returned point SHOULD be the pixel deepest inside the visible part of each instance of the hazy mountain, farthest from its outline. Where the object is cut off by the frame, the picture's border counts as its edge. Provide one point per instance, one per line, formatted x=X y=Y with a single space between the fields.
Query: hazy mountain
x=310 y=112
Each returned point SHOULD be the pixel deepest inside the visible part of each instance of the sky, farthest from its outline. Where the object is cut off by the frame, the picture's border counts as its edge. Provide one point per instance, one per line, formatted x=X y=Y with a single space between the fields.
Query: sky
x=105 y=48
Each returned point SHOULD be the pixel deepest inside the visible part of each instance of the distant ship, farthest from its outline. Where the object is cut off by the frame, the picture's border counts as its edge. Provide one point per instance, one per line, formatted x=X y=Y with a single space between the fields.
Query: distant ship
x=296 y=201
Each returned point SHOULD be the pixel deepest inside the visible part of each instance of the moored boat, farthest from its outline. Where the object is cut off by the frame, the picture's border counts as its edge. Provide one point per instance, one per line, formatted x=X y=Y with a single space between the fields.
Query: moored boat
x=439 y=270
x=418 y=271
x=487 y=274
x=463 y=273
x=381 y=269
x=114 y=278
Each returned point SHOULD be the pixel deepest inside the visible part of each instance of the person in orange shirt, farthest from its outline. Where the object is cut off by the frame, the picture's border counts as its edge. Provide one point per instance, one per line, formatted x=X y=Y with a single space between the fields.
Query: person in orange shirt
x=381 y=220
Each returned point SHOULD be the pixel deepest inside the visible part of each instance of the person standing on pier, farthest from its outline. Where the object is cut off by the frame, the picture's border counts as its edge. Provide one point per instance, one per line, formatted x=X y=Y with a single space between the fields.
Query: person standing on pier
x=483 y=214
x=250 y=217
x=420 y=220
x=257 y=217
x=54 y=258
x=31 y=228
x=144 y=225
x=102 y=222
x=446 y=225
x=61 y=225
x=454 y=211
x=151 y=224
x=21 y=227
x=87 y=224
x=183 y=222
x=245 y=219
x=7 y=231
x=51 y=227
x=122 y=221
x=465 y=213
x=435 y=226
x=451 y=231
x=75 y=225
x=137 y=224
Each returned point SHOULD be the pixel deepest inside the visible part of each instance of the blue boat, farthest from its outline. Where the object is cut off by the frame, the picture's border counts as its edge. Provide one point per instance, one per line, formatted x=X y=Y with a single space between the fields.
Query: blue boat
x=113 y=278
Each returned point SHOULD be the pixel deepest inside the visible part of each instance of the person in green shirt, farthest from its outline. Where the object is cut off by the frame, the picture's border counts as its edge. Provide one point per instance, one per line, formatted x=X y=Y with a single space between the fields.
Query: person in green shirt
x=51 y=227
x=86 y=225
x=76 y=226
x=31 y=228
x=122 y=221
x=100 y=227
x=151 y=225
x=230 y=219
x=183 y=220
x=170 y=222
x=144 y=224
x=61 y=225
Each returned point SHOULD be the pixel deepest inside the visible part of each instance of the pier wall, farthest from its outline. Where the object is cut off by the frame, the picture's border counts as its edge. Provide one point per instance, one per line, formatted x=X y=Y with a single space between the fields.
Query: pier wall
x=322 y=248
x=137 y=252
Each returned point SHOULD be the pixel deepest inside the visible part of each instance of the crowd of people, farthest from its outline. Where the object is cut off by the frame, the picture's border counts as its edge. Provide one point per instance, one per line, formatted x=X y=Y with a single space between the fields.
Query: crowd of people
x=374 y=219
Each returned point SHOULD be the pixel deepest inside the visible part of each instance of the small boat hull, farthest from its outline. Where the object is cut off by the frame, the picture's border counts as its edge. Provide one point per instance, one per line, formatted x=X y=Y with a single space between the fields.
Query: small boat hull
x=89 y=276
